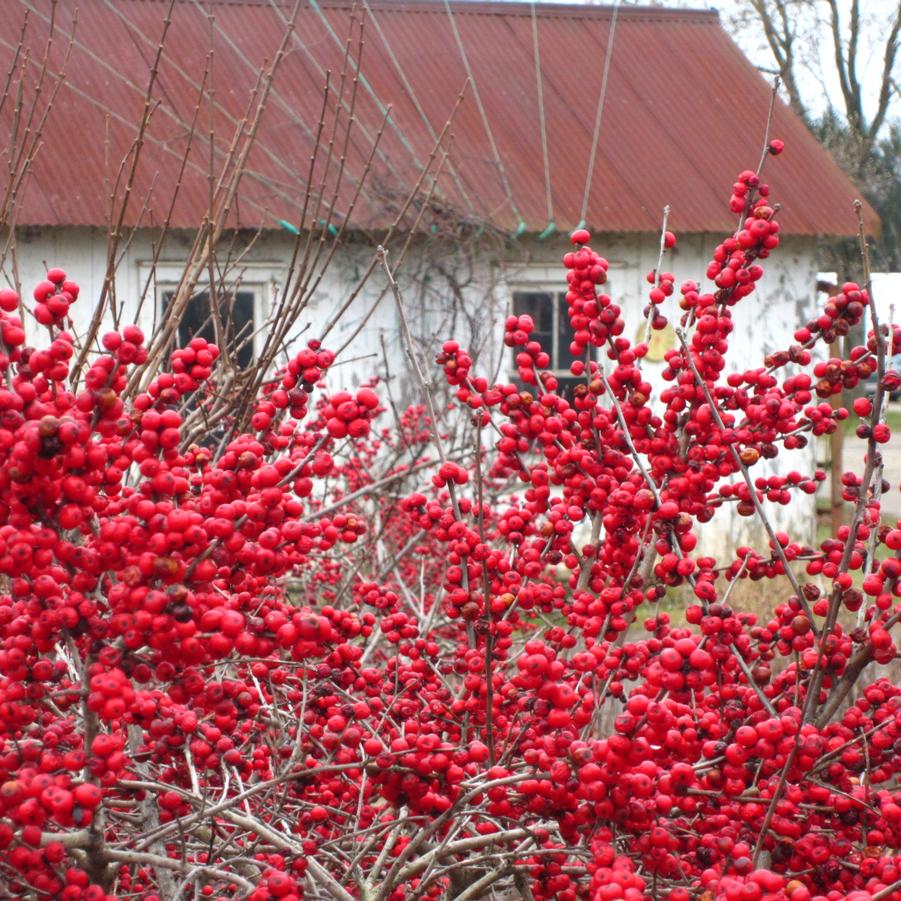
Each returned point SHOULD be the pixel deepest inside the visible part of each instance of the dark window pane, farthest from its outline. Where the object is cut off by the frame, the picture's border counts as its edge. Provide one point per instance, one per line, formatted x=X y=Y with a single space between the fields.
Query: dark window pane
x=565 y=333
x=236 y=312
x=540 y=306
x=567 y=385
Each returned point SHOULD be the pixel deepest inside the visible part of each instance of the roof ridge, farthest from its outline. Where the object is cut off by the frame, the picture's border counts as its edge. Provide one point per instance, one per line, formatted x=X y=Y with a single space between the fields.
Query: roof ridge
x=545 y=9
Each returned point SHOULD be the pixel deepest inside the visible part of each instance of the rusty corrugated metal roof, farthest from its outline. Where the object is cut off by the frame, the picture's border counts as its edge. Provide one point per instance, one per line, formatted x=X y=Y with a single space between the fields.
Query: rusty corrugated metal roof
x=684 y=111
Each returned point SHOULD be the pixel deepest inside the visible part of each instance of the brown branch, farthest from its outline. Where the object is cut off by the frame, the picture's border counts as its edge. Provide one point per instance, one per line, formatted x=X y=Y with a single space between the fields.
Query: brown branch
x=851 y=103
x=780 y=40
x=115 y=232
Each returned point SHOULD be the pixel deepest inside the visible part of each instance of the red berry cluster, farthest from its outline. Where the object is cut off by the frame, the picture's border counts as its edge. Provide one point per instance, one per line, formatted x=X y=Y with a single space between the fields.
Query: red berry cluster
x=348 y=415
x=593 y=316
x=516 y=334
x=295 y=384
x=53 y=298
x=455 y=362
x=664 y=285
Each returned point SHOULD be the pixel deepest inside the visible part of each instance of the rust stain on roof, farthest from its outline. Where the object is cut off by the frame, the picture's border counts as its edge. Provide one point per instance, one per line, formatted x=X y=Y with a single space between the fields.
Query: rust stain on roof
x=684 y=111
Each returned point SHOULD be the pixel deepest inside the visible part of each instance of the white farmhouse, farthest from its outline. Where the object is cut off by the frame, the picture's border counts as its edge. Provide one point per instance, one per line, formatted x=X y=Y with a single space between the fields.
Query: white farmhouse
x=505 y=125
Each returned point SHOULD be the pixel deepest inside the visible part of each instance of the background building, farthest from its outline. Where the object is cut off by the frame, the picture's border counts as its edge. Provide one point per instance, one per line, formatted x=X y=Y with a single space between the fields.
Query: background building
x=558 y=115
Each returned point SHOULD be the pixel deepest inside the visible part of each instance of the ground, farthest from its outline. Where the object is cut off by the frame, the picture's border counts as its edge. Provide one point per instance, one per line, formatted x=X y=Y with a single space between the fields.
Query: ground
x=855 y=450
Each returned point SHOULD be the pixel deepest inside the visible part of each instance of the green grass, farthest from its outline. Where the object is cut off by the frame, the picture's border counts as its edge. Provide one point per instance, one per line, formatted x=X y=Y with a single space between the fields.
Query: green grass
x=892 y=419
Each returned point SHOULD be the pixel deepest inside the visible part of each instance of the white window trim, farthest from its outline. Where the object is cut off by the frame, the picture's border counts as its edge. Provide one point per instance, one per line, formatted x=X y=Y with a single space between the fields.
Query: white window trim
x=265 y=279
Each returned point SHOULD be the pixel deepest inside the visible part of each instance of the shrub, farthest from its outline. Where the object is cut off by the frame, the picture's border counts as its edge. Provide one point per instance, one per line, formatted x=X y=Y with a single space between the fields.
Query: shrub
x=336 y=659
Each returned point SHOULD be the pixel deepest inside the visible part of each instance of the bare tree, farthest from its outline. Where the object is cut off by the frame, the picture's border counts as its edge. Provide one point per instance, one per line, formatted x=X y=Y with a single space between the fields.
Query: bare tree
x=848 y=53
x=809 y=40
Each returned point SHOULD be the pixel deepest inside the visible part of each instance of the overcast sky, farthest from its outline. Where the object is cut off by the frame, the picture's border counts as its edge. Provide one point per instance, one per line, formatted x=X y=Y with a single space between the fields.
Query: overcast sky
x=820 y=80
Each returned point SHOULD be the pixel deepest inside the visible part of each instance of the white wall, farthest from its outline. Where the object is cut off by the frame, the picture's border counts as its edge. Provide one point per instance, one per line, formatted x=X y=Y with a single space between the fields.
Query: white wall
x=484 y=273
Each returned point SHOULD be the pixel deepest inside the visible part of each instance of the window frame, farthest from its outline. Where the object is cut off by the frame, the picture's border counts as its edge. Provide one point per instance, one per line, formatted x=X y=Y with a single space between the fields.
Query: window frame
x=263 y=279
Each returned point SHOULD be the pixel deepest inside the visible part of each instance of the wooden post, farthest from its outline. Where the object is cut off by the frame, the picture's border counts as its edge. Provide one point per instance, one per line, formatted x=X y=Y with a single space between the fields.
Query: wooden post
x=837 y=438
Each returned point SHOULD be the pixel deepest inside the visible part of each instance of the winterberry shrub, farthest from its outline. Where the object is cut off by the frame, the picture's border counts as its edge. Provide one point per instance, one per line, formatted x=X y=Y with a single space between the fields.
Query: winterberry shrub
x=337 y=659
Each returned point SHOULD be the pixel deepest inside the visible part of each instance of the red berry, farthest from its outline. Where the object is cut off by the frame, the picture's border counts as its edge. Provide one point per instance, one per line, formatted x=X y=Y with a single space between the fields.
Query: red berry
x=9 y=300
x=580 y=236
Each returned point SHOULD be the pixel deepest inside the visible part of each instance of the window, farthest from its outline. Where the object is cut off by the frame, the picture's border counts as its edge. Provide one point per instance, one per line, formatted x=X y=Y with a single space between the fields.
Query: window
x=237 y=312
x=539 y=290
x=243 y=305
x=553 y=331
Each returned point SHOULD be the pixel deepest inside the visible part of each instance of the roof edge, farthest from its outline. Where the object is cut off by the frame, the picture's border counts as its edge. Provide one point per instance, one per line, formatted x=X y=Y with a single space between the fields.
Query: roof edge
x=271 y=226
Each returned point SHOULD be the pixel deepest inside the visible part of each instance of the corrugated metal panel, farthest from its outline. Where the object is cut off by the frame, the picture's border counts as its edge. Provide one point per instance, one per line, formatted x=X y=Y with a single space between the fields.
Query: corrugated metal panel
x=684 y=111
